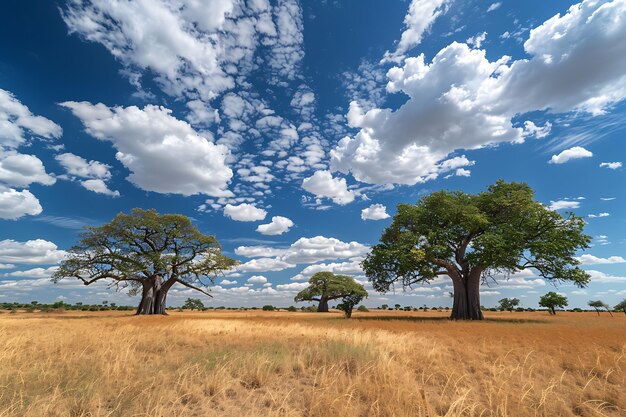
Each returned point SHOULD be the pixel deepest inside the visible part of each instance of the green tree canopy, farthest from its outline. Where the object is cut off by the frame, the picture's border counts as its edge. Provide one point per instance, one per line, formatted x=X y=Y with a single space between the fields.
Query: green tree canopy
x=326 y=286
x=193 y=304
x=599 y=304
x=508 y=303
x=349 y=301
x=147 y=253
x=553 y=300
x=621 y=306
x=473 y=237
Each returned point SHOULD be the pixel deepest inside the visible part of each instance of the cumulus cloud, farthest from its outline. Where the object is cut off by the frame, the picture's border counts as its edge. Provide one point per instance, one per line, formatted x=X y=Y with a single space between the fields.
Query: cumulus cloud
x=35 y=252
x=563 y=204
x=292 y=287
x=34 y=273
x=418 y=21
x=278 y=226
x=96 y=173
x=257 y=279
x=19 y=170
x=323 y=184
x=303 y=251
x=462 y=100
x=611 y=165
x=588 y=259
x=244 y=212
x=597 y=276
x=16 y=204
x=17 y=122
x=164 y=154
x=375 y=212
x=346 y=268
x=593 y=216
x=567 y=155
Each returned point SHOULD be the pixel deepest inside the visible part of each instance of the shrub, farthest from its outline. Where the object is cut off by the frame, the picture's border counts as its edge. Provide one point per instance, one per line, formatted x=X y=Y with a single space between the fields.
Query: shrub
x=268 y=308
x=363 y=309
x=292 y=309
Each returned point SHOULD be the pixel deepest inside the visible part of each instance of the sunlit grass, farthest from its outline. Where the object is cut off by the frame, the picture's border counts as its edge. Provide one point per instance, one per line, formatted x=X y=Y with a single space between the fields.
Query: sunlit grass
x=299 y=364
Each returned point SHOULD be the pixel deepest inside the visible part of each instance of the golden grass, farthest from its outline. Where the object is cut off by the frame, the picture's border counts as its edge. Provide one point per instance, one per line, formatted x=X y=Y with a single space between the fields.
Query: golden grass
x=305 y=364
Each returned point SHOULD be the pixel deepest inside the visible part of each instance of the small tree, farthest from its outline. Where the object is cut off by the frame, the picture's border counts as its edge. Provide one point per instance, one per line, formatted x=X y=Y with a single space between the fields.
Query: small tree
x=349 y=301
x=397 y=306
x=508 y=303
x=193 y=304
x=598 y=304
x=268 y=307
x=146 y=253
x=326 y=286
x=474 y=237
x=552 y=300
x=384 y=307
x=363 y=309
x=621 y=306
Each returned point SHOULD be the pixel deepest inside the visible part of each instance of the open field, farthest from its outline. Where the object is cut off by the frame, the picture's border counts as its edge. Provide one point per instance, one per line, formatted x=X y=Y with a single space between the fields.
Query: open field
x=224 y=363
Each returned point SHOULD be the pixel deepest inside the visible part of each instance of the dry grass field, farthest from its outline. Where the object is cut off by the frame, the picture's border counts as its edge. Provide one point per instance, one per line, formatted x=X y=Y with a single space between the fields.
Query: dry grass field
x=305 y=364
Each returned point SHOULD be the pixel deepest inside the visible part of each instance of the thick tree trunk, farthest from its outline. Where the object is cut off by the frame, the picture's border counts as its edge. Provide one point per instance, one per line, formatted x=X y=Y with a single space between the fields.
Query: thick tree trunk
x=153 y=297
x=466 y=304
x=323 y=306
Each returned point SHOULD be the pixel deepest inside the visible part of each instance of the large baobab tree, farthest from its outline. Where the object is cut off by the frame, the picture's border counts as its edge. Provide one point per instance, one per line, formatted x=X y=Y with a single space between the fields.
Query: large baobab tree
x=146 y=253
x=326 y=286
x=473 y=237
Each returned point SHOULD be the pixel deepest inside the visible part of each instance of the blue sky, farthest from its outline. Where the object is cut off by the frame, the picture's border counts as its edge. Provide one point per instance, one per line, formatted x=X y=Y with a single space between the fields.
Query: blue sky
x=291 y=129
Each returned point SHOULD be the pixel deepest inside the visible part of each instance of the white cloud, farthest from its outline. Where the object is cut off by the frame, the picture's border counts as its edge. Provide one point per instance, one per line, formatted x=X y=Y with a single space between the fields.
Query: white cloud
x=264 y=265
x=611 y=165
x=19 y=170
x=319 y=248
x=576 y=152
x=100 y=187
x=292 y=287
x=374 y=212
x=194 y=49
x=16 y=121
x=477 y=41
x=278 y=226
x=257 y=279
x=34 y=273
x=461 y=172
x=539 y=132
x=244 y=212
x=322 y=184
x=563 y=204
x=494 y=6
x=461 y=100
x=597 y=276
x=164 y=154
x=587 y=259
x=259 y=251
x=80 y=167
x=593 y=216
x=352 y=267
x=96 y=173
x=36 y=251
x=15 y=204
x=418 y=21
x=227 y=282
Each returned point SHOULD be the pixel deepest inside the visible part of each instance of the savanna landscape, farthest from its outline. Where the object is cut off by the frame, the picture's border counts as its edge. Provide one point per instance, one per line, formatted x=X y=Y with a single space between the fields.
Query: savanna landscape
x=379 y=363
x=312 y=208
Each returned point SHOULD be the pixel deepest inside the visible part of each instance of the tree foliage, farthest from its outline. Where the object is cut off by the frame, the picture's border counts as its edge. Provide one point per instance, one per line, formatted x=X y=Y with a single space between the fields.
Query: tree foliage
x=621 y=306
x=474 y=237
x=553 y=300
x=147 y=253
x=599 y=304
x=326 y=286
x=193 y=304
x=508 y=303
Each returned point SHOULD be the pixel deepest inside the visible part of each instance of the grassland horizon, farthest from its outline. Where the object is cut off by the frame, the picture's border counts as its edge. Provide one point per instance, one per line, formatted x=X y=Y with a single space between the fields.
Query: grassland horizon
x=256 y=363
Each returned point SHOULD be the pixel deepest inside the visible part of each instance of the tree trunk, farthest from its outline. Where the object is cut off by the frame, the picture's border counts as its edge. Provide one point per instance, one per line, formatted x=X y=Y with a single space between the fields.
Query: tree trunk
x=466 y=304
x=323 y=306
x=153 y=297
x=348 y=312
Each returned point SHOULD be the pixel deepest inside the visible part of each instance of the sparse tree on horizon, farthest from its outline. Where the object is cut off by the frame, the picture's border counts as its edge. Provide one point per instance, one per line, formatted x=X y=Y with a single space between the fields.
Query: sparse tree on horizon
x=146 y=253
x=599 y=304
x=473 y=237
x=193 y=304
x=508 y=304
x=553 y=300
x=621 y=306
x=326 y=286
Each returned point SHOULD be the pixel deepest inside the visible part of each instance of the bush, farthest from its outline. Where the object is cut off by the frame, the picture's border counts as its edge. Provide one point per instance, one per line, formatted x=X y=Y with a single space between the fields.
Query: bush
x=268 y=308
x=520 y=309
x=292 y=309
x=363 y=309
